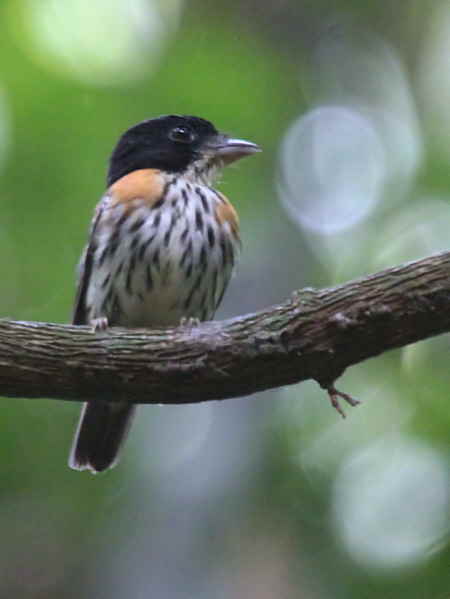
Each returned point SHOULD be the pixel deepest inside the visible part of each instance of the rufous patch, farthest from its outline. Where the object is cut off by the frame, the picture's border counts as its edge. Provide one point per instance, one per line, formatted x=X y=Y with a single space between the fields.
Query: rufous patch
x=225 y=213
x=143 y=184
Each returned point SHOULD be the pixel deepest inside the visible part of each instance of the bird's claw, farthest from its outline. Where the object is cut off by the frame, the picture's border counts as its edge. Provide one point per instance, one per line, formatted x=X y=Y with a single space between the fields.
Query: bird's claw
x=189 y=322
x=334 y=396
x=99 y=324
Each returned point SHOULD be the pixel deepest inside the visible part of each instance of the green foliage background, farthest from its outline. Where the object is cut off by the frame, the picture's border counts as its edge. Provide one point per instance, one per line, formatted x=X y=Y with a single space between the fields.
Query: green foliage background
x=235 y=500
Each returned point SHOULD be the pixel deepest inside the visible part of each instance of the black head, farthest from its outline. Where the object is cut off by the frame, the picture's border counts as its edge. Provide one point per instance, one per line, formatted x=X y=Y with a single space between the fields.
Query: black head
x=172 y=143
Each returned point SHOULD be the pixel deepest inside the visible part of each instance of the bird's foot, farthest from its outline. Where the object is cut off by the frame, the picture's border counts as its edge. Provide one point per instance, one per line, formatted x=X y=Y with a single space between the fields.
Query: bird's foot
x=334 y=395
x=99 y=324
x=189 y=322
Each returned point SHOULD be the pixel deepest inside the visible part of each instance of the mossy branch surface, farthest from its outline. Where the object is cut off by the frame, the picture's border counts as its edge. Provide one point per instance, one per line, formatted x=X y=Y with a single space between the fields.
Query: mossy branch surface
x=314 y=334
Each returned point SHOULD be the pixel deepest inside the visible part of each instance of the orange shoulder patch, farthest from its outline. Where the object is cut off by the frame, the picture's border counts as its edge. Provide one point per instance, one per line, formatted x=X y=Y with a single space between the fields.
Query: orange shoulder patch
x=225 y=213
x=144 y=184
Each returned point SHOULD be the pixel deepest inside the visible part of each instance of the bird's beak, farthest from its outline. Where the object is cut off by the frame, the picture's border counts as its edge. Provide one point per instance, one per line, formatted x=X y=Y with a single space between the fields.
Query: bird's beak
x=228 y=149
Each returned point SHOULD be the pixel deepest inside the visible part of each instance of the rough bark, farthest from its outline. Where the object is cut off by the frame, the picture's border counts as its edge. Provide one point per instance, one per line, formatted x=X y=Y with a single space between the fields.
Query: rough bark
x=314 y=334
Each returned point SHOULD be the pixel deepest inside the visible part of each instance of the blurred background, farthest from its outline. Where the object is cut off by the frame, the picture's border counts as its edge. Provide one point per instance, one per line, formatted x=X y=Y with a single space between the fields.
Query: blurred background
x=272 y=496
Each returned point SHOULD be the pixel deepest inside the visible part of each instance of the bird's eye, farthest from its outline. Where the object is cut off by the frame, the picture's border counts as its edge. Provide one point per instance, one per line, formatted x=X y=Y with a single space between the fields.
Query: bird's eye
x=181 y=135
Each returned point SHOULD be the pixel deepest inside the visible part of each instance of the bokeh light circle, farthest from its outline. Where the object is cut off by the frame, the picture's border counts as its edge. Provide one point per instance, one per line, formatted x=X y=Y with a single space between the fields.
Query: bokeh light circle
x=106 y=42
x=384 y=513
x=332 y=169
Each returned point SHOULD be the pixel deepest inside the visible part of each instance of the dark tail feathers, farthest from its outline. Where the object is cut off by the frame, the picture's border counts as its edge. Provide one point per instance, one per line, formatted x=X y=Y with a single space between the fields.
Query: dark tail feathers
x=101 y=431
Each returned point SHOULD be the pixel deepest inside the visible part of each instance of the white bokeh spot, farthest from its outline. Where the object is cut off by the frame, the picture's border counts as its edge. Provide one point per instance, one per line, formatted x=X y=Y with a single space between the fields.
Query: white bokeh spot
x=333 y=169
x=106 y=42
x=390 y=503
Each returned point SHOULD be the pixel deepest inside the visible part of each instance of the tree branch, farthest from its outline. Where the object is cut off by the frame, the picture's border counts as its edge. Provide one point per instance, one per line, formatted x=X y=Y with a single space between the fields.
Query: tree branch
x=315 y=334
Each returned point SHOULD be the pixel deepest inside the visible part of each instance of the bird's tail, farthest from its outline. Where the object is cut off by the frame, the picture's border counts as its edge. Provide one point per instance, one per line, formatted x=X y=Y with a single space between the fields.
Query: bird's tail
x=101 y=431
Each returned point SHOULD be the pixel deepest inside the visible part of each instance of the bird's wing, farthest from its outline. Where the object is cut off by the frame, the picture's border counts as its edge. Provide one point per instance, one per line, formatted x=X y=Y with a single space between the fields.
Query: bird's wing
x=85 y=270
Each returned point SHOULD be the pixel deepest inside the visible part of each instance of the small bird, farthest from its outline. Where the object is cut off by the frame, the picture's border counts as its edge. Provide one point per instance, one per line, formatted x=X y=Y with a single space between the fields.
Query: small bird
x=162 y=247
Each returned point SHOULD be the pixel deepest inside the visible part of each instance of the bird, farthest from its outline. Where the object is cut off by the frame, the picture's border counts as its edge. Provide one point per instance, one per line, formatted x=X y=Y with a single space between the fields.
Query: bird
x=162 y=247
